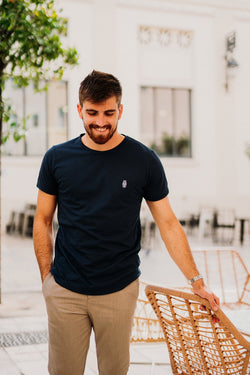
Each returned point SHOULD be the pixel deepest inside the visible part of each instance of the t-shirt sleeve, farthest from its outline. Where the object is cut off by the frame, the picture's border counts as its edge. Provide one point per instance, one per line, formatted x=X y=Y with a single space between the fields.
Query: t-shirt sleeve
x=157 y=185
x=46 y=178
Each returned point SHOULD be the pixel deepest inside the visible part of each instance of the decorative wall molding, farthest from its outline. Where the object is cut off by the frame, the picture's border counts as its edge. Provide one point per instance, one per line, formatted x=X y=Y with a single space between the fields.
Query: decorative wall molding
x=163 y=37
x=202 y=7
x=242 y=16
x=168 y=6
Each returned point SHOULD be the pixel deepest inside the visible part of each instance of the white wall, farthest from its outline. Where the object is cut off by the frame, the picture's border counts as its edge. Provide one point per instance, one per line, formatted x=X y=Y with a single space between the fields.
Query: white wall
x=242 y=115
x=173 y=66
x=218 y=174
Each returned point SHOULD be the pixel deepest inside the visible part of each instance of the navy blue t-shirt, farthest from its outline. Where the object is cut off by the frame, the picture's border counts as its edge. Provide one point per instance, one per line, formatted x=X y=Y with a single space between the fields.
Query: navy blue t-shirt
x=99 y=195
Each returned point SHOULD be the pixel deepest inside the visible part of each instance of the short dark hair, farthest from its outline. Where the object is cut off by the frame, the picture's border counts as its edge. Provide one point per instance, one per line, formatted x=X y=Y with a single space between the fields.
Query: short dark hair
x=99 y=86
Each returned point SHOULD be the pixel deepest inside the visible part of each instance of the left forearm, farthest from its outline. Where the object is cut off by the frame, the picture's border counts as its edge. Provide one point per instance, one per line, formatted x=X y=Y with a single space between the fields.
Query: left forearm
x=178 y=247
x=174 y=237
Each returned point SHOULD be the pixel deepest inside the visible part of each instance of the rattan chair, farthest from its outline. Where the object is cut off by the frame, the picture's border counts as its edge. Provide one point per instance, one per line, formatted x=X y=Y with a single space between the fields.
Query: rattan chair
x=196 y=343
x=226 y=274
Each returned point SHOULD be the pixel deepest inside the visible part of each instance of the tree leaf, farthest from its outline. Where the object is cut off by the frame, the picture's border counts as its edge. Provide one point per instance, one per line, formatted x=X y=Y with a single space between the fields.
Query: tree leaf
x=30 y=42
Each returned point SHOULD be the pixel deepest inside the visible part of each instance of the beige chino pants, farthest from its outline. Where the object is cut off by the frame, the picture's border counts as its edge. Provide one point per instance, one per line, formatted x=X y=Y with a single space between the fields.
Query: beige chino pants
x=71 y=317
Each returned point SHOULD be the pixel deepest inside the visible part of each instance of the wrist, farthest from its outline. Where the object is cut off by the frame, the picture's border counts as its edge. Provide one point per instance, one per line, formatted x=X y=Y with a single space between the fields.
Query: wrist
x=44 y=274
x=195 y=279
x=198 y=284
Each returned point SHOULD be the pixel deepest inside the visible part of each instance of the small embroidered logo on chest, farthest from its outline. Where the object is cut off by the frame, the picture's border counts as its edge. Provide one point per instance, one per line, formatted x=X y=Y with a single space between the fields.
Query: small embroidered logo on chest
x=124 y=184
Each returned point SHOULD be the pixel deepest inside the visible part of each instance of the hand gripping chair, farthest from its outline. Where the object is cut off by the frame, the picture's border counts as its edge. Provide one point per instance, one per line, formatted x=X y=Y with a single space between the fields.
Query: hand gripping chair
x=197 y=344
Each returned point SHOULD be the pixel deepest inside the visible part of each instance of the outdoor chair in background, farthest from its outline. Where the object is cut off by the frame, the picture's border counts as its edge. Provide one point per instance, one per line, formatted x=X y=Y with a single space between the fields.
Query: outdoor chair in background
x=197 y=343
x=21 y=222
x=146 y=327
x=28 y=219
x=226 y=274
x=223 y=229
x=191 y=223
x=205 y=222
x=148 y=234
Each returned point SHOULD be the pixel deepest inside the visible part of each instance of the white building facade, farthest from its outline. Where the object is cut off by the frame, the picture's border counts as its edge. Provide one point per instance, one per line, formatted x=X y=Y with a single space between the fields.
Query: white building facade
x=180 y=95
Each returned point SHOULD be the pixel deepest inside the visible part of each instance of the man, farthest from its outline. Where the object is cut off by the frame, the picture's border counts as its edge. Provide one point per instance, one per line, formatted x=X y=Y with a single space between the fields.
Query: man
x=98 y=181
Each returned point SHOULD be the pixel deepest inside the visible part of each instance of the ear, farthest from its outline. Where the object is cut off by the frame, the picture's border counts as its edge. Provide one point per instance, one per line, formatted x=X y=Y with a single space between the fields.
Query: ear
x=79 y=109
x=120 y=111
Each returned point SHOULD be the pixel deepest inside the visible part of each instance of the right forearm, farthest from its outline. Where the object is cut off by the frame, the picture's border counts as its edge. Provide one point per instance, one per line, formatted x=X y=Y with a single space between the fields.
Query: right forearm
x=43 y=245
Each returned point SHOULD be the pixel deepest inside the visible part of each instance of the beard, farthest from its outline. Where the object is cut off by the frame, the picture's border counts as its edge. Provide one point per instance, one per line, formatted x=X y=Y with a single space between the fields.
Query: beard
x=100 y=138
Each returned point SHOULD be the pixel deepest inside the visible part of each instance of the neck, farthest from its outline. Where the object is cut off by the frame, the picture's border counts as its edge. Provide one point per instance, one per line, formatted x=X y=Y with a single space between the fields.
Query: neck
x=112 y=142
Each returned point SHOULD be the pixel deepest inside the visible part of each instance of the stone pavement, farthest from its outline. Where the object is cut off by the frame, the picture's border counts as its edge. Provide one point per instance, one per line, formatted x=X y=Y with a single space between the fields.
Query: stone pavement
x=23 y=321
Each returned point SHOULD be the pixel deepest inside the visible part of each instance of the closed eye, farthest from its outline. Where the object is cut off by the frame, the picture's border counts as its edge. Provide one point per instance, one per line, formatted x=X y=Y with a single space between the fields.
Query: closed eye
x=109 y=113
x=91 y=112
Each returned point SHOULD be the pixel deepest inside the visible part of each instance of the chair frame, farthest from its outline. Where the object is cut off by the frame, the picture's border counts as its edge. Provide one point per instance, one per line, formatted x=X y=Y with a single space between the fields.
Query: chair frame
x=197 y=344
x=234 y=294
x=235 y=279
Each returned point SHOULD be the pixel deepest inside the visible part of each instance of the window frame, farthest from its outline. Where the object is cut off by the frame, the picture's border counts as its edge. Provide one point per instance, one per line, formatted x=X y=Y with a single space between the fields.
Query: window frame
x=172 y=89
x=24 y=113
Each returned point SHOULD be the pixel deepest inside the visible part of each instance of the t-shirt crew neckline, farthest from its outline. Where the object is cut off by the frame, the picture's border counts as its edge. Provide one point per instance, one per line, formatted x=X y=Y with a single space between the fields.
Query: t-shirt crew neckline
x=105 y=151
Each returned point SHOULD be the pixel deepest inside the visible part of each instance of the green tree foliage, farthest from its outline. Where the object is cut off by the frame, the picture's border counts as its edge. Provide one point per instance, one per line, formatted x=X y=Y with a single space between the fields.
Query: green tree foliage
x=30 y=50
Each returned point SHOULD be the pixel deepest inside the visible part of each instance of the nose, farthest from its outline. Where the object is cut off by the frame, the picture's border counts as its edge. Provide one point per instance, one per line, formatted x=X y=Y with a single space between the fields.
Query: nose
x=100 y=120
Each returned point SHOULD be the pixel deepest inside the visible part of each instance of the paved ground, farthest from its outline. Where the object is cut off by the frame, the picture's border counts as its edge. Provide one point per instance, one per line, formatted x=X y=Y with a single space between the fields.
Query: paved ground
x=23 y=322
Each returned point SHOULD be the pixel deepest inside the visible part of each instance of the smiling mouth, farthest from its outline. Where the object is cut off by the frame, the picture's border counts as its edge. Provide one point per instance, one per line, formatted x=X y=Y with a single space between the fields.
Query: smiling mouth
x=100 y=129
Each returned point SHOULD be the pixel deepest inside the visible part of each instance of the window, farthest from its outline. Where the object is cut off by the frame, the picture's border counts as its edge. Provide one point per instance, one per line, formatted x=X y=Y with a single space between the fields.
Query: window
x=166 y=120
x=46 y=114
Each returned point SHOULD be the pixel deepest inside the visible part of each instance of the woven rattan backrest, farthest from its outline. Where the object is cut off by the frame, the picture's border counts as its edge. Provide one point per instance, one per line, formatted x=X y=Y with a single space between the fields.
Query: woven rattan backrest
x=196 y=344
x=226 y=274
